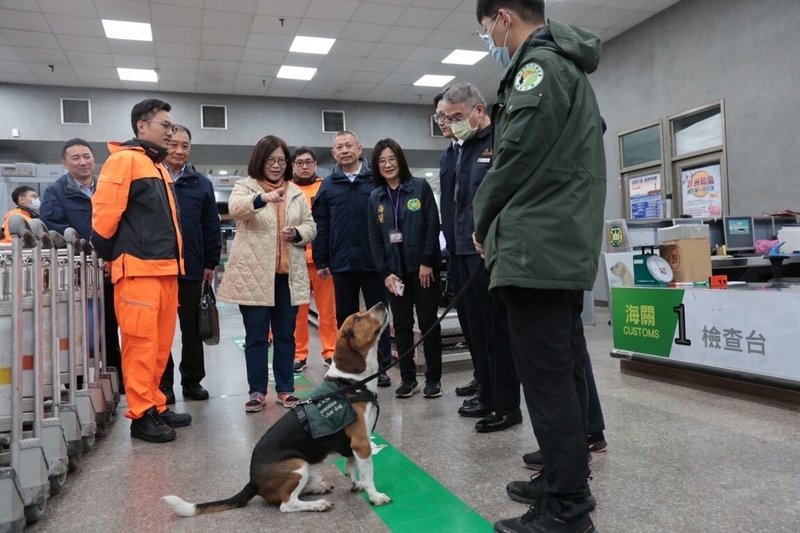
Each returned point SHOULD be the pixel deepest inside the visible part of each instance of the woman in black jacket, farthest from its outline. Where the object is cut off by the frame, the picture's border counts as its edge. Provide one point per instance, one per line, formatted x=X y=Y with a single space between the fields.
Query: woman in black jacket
x=404 y=235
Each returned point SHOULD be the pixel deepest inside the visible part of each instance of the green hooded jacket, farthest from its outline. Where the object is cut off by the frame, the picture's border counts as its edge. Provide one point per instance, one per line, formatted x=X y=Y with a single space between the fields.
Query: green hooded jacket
x=539 y=210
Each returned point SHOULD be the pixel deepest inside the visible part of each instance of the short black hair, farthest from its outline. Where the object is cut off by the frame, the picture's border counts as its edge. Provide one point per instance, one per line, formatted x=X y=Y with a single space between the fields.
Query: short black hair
x=19 y=191
x=145 y=110
x=264 y=147
x=300 y=150
x=531 y=11
x=181 y=127
x=394 y=146
x=438 y=97
x=77 y=141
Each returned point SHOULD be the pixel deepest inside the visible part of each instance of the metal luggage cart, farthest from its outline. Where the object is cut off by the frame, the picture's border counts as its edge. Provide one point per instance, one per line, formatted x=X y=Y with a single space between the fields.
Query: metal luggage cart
x=21 y=448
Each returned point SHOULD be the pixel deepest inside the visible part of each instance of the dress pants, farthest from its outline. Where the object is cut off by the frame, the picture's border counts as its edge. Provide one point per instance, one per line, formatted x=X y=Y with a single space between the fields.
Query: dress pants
x=426 y=302
x=456 y=283
x=192 y=367
x=479 y=332
x=504 y=373
x=323 y=294
x=548 y=347
x=258 y=320
x=147 y=308
x=347 y=286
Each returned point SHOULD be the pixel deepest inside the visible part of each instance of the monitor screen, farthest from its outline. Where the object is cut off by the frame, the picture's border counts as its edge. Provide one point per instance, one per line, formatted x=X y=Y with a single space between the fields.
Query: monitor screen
x=739 y=235
x=687 y=221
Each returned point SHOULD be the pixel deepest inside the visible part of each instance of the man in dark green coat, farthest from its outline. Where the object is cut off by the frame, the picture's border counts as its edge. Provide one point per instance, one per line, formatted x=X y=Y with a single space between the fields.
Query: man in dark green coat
x=538 y=220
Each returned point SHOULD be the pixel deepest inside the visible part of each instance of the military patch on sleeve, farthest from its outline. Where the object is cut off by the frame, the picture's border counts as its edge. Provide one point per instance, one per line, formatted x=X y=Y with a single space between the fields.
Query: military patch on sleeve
x=528 y=77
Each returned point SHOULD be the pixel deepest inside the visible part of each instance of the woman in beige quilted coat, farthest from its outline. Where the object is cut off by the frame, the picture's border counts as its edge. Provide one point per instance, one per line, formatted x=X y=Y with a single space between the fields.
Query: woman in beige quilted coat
x=266 y=274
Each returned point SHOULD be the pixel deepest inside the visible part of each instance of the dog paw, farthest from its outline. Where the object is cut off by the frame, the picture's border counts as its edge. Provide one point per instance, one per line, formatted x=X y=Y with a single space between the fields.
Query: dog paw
x=380 y=498
x=325 y=488
x=357 y=486
x=324 y=505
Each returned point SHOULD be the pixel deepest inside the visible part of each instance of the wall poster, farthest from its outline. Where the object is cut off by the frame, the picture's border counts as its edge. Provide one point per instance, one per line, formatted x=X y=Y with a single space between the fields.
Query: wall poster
x=701 y=191
x=644 y=193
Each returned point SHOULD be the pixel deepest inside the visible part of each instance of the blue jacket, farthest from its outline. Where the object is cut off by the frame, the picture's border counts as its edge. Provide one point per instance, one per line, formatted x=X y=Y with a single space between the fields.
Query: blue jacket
x=447 y=182
x=200 y=227
x=65 y=206
x=471 y=166
x=340 y=211
x=418 y=221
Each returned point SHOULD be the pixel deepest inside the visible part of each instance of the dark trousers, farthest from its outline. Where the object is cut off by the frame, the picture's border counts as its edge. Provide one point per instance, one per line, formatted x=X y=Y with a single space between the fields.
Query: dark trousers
x=346 y=285
x=192 y=367
x=113 y=353
x=426 y=302
x=595 y=412
x=504 y=373
x=478 y=310
x=455 y=282
x=257 y=323
x=549 y=348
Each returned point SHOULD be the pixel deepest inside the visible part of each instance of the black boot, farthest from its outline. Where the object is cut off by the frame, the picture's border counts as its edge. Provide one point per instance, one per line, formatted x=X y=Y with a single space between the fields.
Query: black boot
x=175 y=420
x=151 y=428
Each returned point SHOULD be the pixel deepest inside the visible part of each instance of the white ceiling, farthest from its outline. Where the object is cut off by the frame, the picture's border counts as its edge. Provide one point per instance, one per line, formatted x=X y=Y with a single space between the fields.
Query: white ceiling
x=237 y=46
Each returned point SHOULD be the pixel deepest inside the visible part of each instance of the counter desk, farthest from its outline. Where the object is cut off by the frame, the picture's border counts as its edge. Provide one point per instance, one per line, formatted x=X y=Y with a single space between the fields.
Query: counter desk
x=747 y=332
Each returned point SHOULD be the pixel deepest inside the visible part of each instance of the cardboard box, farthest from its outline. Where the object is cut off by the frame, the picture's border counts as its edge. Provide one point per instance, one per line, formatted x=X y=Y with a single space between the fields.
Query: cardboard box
x=687 y=249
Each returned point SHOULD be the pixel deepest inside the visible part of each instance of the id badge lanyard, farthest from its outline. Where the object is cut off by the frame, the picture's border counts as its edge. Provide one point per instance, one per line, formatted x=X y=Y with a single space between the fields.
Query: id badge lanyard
x=395 y=235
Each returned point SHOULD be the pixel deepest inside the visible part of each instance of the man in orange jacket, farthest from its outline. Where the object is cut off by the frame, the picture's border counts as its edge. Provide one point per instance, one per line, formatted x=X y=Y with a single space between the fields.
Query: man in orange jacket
x=27 y=204
x=304 y=161
x=135 y=225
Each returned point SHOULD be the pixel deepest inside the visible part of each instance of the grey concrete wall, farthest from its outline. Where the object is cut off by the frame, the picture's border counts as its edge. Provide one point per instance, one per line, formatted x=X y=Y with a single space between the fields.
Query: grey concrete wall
x=35 y=111
x=701 y=51
x=744 y=52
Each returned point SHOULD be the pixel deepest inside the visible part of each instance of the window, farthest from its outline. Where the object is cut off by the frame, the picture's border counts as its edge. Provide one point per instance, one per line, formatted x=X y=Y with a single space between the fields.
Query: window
x=696 y=131
x=76 y=111
x=333 y=121
x=641 y=146
x=436 y=131
x=213 y=117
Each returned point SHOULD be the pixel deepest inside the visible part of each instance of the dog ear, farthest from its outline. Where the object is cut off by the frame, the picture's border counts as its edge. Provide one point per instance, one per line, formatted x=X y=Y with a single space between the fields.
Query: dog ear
x=347 y=359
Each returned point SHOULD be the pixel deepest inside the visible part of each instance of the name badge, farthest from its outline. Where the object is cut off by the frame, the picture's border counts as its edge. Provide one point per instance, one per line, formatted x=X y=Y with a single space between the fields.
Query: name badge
x=484 y=160
x=395 y=237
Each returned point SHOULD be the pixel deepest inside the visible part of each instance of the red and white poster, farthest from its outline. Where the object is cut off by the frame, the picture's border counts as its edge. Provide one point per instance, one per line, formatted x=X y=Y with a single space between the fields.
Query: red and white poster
x=701 y=190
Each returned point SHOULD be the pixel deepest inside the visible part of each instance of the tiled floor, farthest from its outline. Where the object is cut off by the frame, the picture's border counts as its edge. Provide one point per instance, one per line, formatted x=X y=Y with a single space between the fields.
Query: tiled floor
x=680 y=458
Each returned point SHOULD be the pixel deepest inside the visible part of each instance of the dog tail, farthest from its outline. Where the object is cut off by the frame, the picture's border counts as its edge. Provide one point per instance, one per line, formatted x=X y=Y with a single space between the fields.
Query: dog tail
x=184 y=508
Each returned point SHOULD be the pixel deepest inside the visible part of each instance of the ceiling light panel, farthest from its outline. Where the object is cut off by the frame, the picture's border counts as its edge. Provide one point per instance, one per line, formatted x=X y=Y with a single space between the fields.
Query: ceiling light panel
x=311 y=45
x=433 y=80
x=296 y=73
x=464 y=57
x=137 y=74
x=133 y=31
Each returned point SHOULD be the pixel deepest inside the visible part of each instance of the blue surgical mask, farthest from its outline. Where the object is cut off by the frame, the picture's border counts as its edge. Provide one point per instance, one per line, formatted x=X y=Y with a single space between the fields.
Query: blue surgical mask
x=499 y=53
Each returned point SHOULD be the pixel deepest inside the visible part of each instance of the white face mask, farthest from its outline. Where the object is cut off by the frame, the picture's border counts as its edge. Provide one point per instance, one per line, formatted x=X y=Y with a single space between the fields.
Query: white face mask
x=35 y=204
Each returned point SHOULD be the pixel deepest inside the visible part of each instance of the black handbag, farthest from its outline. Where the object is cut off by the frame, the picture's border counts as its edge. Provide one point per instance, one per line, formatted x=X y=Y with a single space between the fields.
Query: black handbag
x=208 y=316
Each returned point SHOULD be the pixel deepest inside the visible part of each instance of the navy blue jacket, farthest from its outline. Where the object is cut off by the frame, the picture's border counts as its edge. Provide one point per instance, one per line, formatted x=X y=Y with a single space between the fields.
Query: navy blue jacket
x=197 y=206
x=418 y=221
x=65 y=206
x=447 y=182
x=472 y=165
x=340 y=212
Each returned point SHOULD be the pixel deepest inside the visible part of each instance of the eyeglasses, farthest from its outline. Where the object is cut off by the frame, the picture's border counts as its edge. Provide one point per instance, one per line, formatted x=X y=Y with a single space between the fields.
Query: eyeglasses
x=486 y=35
x=440 y=119
x=457 y=118
x=304 y=162
x=272 y=161
x=387 y=161
x=169 y=126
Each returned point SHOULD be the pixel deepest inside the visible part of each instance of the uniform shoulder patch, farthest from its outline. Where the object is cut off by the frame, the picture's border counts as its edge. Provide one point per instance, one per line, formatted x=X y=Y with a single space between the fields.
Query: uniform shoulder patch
x=528 y=77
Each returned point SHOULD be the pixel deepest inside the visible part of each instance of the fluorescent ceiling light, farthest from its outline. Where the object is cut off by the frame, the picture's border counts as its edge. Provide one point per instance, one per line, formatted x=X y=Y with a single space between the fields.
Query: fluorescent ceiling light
x=223 y=172
x=133 y=31
x=433 y=80
x=464 y=57
x=311 y=45
x=137 y=74
x=296 y=73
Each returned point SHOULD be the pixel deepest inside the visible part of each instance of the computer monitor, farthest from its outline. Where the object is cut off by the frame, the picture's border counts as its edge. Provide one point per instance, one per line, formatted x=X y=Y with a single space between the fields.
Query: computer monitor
x=687 y=221
x=739 y=234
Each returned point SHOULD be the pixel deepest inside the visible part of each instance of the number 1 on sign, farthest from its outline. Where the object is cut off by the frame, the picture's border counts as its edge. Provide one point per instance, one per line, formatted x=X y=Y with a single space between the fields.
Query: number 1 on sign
x=680 y=310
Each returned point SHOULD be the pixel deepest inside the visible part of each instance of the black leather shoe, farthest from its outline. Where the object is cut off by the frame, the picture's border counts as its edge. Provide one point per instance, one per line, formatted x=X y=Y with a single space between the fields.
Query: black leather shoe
x=471 y=401
x=384 y=380
x=151 y=428
x=195 y=391
x=497 y=422
x=470 y=389
x=175 y=420
x=169 y=394
x=476 y=410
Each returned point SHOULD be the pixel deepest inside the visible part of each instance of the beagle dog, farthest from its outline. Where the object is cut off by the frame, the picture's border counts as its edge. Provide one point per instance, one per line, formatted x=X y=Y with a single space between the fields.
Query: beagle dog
x=286 y=461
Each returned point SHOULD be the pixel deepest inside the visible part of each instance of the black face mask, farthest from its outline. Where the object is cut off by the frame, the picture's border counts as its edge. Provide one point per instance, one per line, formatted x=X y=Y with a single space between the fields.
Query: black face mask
x=155 y=152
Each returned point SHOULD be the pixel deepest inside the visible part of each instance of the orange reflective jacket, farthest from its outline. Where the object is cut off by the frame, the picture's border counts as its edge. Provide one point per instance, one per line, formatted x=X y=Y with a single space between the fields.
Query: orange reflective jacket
x=135 y=219
x=27 y=215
